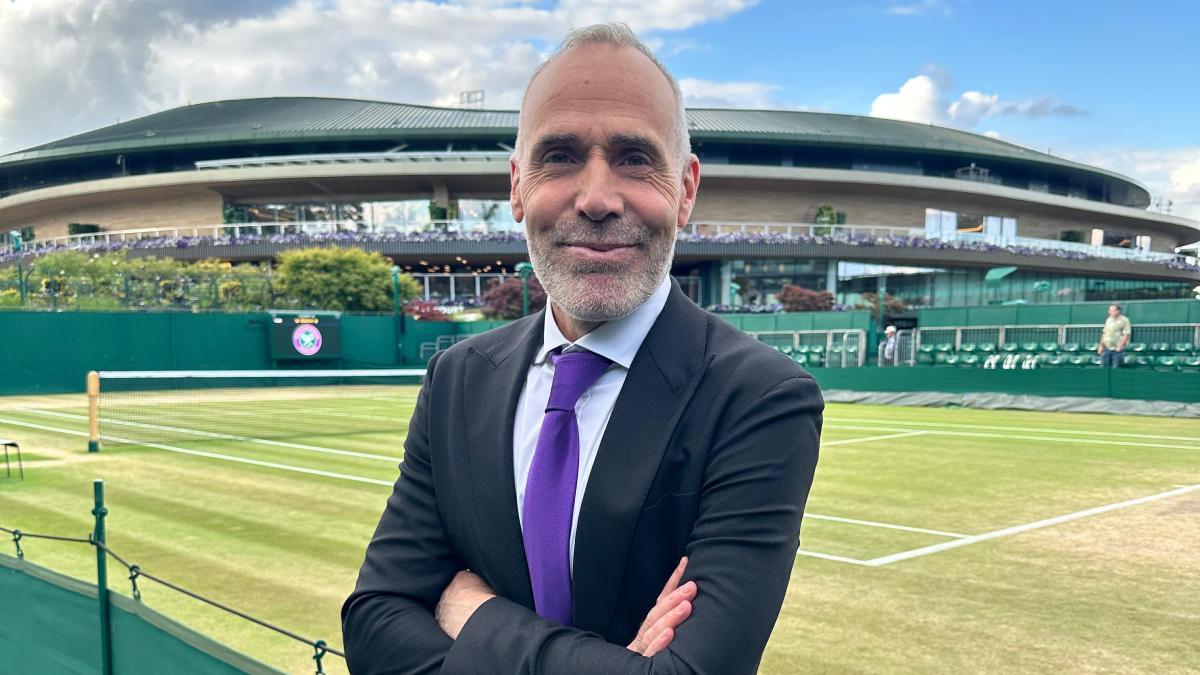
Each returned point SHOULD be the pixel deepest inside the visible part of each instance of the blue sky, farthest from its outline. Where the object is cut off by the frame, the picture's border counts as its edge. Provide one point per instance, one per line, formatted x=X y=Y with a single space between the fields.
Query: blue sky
x=1115 y=84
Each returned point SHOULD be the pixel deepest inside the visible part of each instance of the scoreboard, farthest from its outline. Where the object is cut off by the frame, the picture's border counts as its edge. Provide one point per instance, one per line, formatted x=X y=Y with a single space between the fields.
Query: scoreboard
x=306 y=336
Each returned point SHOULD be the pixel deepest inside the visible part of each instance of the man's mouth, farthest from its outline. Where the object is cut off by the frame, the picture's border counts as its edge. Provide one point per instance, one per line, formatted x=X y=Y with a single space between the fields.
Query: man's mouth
x=599 y=251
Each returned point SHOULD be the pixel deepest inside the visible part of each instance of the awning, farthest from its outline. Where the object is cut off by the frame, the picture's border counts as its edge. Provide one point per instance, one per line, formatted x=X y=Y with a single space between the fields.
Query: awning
x=995 y=274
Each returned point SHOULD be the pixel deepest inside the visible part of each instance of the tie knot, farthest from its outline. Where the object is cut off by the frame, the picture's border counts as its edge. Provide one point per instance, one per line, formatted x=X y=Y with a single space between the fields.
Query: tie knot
x=574 y=372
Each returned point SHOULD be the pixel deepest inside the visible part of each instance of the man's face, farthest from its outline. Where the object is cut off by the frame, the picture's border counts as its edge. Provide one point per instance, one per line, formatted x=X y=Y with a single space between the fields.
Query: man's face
x=1113 y=311
x=598 y=182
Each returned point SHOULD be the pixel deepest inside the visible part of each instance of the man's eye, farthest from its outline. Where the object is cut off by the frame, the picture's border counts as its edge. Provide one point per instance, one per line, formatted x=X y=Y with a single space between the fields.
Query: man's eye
x=556 y=157
x=636 y=159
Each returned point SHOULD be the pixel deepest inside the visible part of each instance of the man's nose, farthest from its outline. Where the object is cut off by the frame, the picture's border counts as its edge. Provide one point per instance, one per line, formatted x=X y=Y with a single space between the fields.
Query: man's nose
x=598 y=197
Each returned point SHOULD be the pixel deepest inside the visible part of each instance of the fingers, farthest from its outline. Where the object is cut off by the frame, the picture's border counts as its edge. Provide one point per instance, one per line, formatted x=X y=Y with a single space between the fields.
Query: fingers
x=663 y=631
x=673 y=582
x=664 y=607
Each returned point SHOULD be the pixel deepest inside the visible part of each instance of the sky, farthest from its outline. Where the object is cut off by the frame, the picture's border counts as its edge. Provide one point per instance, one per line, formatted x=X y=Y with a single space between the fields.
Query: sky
x=1113 y=84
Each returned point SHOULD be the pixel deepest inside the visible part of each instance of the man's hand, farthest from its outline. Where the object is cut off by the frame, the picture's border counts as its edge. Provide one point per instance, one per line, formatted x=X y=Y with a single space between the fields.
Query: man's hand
x=465 y=593
x=1100 y=348
x=674 y=605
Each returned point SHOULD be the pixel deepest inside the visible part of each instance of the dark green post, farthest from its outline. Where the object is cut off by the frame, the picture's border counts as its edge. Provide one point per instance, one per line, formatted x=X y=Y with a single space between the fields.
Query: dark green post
x=525 y=270
x=100 y=511
x=396 y=289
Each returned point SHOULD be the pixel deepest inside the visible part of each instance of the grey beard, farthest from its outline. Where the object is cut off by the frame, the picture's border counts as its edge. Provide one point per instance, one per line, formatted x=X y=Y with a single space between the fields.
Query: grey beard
x=567 y=282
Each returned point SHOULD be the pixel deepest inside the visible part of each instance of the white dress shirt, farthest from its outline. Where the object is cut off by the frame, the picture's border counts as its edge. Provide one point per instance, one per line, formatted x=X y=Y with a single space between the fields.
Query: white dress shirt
x=618 y=341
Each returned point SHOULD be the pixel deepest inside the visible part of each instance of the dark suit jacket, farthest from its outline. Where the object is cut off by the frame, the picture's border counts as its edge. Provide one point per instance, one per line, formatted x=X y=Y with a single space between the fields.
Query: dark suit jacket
x=710 y=452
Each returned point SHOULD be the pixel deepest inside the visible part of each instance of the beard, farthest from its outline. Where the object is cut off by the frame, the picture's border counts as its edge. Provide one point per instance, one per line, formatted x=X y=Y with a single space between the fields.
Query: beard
x=597 y=290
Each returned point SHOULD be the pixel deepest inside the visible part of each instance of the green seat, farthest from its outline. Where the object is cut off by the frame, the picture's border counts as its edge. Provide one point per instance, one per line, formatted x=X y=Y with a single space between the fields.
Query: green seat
x=1091 y=347
x=1136 y=347
x=945 y=347
x=952 y=359
x=785 y=349
x=925 y=358
x=925 y=349
x=816 y=349
x=1160 y=348
x=967 y=348
x=816 y=359
x=1094 y=360
x=939 y=358
x=1050 y=347
x=1053 y=360
x=1137 y=361
x=1045 y=357
x=802 y=349
x=1010 y=347
x=1165 y=362
x=1183 y=348
x=801 y=359
x=1190 y=364
x=987 y=348
x=1030 y=347
x=1070 y=347
x=968 y=360
x=1079 y=360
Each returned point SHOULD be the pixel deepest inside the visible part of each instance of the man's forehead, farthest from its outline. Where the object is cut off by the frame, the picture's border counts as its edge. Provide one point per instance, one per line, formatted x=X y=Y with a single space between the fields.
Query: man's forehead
x=599 y=88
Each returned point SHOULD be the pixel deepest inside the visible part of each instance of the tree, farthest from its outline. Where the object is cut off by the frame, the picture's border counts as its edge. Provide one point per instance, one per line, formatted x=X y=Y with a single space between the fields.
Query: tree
x=799 y=299
x=503 y=300
x=870 y=301
x=337 y=279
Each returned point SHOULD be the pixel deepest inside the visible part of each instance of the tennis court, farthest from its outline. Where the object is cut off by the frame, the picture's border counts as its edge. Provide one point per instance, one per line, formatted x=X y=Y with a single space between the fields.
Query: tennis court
x=935 y=538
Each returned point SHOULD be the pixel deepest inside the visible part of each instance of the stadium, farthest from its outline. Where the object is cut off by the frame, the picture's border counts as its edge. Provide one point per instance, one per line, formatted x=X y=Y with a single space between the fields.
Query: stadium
x=830 y=202
x=988 y=496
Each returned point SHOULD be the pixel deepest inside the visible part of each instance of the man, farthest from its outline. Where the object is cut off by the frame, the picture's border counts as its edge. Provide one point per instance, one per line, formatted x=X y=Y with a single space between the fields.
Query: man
x=612 y=485
x=1113 y=338
x=888 y=347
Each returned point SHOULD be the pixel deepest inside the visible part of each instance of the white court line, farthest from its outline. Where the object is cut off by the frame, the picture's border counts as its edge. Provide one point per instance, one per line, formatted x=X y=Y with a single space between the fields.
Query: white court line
x=1051 y=439
x=210 y=455
x=870 y=438
x=834 y=558
x=1018 y=529
x=888 y=526
x=988 y=427
x=227 y=437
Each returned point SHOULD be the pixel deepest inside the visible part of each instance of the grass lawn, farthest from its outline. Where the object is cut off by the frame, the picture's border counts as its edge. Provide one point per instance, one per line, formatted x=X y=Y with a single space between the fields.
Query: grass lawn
x=936 y=539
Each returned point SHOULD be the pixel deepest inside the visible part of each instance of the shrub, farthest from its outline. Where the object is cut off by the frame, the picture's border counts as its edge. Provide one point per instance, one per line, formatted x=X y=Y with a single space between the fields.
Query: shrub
x=799 y=299
x=503 y=300
x=426 y=310
x=339 y=279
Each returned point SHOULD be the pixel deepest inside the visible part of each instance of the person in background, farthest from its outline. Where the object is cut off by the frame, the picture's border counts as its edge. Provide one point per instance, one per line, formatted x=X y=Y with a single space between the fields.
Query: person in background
x=889 y=347
x=1113 y=338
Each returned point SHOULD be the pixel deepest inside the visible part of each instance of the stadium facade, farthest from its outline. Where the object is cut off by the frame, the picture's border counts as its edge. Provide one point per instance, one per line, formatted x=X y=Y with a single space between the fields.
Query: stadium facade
x=849 y=204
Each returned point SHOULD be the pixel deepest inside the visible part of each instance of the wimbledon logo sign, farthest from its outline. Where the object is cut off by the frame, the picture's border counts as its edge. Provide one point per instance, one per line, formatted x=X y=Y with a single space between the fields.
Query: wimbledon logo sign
x=306 y=339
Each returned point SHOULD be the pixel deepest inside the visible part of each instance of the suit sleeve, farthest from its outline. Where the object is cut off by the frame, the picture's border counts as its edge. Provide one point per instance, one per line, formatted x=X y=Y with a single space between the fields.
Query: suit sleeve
x=387 y=622
x=741 y=553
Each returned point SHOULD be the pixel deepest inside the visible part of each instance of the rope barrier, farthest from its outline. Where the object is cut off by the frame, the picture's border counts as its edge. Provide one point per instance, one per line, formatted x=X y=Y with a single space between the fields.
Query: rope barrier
x=320 y=648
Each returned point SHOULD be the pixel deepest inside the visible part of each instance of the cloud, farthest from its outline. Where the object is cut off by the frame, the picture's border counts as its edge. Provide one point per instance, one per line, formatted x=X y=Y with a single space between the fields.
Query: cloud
x=924 y=99
x=87 y=63
x=921 y=7
x=709 y=94
x=1172 y=174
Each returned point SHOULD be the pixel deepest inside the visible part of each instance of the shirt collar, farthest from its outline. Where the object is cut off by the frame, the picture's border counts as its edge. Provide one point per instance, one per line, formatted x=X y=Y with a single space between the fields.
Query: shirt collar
x=617 y=340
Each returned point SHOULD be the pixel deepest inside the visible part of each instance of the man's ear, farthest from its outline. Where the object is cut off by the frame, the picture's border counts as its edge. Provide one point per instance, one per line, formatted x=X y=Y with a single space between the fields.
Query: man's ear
x=514 y=192
x=691 y=186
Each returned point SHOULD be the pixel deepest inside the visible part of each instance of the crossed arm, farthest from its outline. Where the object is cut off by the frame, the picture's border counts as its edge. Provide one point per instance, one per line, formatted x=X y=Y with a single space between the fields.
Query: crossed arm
x=739 y=557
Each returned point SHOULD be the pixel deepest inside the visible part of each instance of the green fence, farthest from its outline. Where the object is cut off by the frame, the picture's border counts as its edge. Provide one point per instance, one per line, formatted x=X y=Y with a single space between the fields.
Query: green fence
x=1092 y=383
x=51 y=623
x=1151 y=311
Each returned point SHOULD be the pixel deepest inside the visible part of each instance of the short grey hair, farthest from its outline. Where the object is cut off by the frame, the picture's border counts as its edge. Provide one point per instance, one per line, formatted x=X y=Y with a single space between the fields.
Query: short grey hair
x=618 y=34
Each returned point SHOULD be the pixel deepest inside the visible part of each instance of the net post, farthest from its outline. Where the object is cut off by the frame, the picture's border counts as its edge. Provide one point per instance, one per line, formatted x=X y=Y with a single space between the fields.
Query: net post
x=100 y=511
x=93 y=394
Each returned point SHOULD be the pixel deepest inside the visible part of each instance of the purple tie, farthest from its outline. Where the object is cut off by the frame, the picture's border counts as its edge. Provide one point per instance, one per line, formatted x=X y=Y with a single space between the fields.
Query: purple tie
x=550 y=487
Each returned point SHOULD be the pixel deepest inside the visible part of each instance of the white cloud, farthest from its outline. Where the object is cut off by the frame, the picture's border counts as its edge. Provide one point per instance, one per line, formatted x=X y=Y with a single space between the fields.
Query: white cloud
x=1169 y=174
x=924 y=99
x=921 y=7
x=87 y=63
x=709 y=94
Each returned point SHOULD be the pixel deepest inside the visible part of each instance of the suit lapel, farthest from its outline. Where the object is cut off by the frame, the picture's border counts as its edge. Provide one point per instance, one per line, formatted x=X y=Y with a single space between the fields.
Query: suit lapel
x=493 y=388
x=659 y=384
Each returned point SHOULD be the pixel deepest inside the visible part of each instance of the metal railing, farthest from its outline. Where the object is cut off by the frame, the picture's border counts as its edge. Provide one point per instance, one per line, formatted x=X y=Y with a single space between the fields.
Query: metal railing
x=839 y=348
x=1041 y=336
x=903 y=351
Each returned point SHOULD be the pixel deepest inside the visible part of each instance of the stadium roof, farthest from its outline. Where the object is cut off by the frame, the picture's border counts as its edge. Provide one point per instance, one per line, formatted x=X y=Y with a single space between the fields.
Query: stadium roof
x=286 y=119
